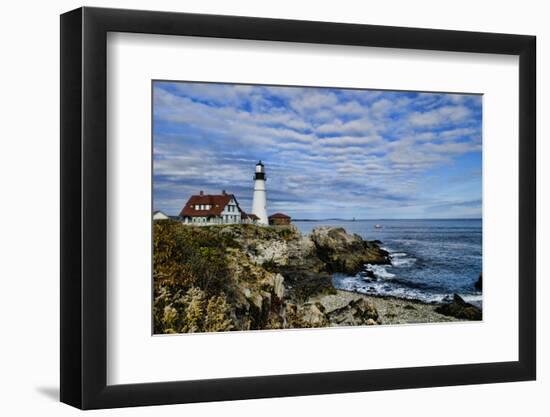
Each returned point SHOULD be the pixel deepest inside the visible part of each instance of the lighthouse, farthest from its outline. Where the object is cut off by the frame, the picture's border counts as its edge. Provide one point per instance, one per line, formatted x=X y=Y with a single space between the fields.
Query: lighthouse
x=259 y=200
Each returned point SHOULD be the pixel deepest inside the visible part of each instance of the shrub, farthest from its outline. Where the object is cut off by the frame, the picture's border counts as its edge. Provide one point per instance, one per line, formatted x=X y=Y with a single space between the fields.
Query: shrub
x=190 y=312
x=185 y=257
x=190 y=273
x=217 y=315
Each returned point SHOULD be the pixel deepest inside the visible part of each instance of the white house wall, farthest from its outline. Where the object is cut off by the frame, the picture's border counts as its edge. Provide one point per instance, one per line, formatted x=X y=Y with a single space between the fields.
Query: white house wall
x=231 y=210
x=160 y=216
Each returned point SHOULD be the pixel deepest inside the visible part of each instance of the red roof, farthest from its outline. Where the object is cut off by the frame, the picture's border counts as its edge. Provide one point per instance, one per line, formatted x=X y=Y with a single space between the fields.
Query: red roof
x=216 y=202
x=279 y=216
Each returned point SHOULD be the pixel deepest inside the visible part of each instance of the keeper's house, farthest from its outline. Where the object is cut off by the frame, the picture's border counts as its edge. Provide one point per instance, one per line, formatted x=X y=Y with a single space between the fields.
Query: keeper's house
x=208 y=209
x=279 y=219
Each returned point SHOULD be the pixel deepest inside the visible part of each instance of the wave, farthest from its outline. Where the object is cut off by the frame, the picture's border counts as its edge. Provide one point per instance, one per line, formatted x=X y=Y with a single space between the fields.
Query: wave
x=377 y=280
x=398 y=290
x=379 y=271
x=385 y=288
x=400 y=259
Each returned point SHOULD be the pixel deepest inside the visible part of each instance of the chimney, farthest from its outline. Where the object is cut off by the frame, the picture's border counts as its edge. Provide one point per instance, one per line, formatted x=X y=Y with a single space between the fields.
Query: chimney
x=223 y=192
x=201 y=192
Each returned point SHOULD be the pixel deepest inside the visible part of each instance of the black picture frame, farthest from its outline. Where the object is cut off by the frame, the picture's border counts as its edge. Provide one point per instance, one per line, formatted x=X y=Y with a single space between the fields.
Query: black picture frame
x=84 y=207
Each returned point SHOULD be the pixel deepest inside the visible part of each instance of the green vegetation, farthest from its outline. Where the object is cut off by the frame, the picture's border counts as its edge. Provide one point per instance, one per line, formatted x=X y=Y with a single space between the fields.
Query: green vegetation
x=190 y=272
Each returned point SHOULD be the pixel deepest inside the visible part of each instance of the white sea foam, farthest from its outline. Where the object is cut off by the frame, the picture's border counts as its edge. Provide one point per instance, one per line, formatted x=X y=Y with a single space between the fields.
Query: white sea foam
x=471 y=297
x=384 y=288
x=398 y=262
x=380 y=271
x=475 y=299
x=400 y=259
x=388 y=287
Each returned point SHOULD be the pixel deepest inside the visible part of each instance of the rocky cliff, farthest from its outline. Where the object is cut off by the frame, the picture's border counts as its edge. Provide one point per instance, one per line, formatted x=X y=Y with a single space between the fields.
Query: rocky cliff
x=242 y=277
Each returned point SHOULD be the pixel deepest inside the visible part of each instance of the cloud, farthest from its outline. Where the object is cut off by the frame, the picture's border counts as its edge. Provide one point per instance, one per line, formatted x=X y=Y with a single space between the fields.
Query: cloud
x=315 y=100
x=350 y=140
x=357 y=126
x=442 y=115
x=327 y=151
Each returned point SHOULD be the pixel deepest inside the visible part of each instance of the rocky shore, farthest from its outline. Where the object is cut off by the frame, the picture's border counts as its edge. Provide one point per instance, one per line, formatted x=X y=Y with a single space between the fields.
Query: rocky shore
x=392 y=310
x=246 y=277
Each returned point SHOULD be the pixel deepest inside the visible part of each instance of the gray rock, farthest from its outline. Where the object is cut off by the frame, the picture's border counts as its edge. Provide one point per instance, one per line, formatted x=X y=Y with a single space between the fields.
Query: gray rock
x=460 y=309
x=479 y=285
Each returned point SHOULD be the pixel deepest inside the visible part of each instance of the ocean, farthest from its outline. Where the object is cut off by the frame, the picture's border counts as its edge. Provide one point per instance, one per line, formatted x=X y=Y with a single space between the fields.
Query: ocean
x=431 y=259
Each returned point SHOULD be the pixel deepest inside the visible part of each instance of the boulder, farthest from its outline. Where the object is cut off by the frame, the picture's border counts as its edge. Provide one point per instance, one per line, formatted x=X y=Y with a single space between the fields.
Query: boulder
x=345 y=253
x=478 y=285
x=304 y=315
x=460 y=309
x=303 y=283
x=356 y=313
x=370 y=274
x=313 y=316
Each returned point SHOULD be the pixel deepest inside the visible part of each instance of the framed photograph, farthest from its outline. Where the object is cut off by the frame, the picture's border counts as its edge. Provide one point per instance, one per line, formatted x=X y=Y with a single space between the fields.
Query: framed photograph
x=257 y=208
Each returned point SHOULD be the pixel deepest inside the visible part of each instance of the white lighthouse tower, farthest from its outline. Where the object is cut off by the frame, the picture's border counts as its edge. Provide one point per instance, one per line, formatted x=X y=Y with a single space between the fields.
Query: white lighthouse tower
x=259 y=200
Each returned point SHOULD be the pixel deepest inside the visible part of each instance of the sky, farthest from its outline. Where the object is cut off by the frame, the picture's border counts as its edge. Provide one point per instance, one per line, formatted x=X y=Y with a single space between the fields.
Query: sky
x=328 y=152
